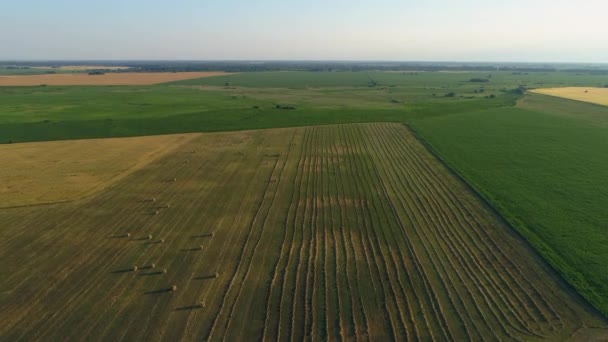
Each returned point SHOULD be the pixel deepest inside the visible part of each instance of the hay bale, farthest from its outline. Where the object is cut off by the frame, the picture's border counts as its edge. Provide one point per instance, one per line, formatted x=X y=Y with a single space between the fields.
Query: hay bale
x=161 y=241
x=173 y=288
x=152 y=265
x=200 y=247
x=215 y=275
x=149 y=237
x=135 y=268
x=164 y=271
x=201 y=304
x=174 y=180
x=128 y=235
x=155 y=212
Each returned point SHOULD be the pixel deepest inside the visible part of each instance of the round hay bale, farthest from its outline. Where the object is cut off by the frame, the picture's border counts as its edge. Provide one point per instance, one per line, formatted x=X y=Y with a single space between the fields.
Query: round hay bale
x=201 y=304
x=149 y=237
x=200 y=247
x=164 y=271
x=128 y=235
x=152 y=265
x=135 y=268
x=215 y=275
x=173 y=288
x=162 y=241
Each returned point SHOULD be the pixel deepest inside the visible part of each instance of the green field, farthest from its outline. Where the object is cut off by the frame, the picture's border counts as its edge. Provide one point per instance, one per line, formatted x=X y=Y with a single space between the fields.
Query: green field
x=55 y=113
x=337 y=232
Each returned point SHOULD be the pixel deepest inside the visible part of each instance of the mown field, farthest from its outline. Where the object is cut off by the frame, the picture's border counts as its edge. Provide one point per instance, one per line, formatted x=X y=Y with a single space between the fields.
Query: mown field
x=543 y=166
x=335 y=232
x=61 y=171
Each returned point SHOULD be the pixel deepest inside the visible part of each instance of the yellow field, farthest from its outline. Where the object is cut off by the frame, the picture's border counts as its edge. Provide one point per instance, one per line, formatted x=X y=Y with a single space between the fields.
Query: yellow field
x=586 y=94
x=59 y=171
x=124 y=78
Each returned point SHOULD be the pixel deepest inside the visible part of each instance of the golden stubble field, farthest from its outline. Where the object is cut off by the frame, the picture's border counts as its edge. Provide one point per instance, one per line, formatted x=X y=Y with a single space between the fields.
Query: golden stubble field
x=349 y=232
x=121 y=78
x=59 y=171
x=585 y=94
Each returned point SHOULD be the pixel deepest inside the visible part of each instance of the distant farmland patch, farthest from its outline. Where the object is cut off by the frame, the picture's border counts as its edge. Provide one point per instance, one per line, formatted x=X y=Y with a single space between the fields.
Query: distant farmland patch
x=349 y=232
x=59 y=171
x=83 y=67
x=586 y=94
x=123 y=78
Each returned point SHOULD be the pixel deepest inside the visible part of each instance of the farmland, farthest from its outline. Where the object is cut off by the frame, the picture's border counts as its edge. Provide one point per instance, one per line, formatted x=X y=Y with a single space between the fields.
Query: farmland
x=62 y=171
x=84 y=79
x=542 y=165
x=585 y=94
x=249 y=102
x=347 y=231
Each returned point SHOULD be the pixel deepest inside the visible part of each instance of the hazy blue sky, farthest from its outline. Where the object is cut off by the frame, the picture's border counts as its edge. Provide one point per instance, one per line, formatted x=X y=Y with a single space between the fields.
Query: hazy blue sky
x=438 y=30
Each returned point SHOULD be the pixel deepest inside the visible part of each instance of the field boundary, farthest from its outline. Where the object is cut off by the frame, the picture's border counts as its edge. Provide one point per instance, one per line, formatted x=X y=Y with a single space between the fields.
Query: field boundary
x=487 y=204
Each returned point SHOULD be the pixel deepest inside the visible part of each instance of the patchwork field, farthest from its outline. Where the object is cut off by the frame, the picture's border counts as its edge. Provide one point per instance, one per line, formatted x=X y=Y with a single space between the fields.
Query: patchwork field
x=59 y=171
x=335 y=232
x=122 y=78
x=585 y=94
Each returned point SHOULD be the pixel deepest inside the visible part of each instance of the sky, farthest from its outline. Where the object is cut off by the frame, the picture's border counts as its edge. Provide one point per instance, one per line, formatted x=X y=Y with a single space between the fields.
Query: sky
x=378 y=30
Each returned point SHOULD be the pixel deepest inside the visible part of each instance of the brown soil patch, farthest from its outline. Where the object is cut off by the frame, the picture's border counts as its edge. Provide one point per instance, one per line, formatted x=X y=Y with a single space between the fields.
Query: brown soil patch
x=125 y=78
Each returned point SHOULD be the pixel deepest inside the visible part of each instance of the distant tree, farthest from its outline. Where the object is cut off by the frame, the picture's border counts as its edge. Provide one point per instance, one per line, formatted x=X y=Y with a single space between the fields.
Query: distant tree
x=479 y=80
x=96 y=72
x=450 y=94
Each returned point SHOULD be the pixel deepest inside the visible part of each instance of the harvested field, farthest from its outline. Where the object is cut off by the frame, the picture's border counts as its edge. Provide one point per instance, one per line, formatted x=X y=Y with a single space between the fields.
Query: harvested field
x=336 y=232
x=59 y=171
x=585 y=94
x=122 y=78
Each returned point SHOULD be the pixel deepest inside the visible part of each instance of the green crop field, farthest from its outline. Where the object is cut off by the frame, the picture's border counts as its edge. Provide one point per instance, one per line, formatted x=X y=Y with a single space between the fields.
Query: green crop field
x=338 y=232
x=250 y=102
